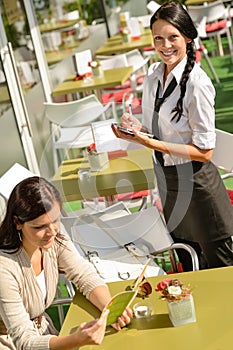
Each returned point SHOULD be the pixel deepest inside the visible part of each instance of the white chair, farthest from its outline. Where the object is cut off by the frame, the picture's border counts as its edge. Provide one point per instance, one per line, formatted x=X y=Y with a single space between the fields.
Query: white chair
x=129 y=240
x=52 y=41
x=218 y=22
x=132 y=58
x=222 y=155
x=27 y=74
x=201 y=49
x=139 y=64
x=153 y=6
x=115 y=210
x=133 y=86
x=70 y=123
x=9 y=180
x=12 y=177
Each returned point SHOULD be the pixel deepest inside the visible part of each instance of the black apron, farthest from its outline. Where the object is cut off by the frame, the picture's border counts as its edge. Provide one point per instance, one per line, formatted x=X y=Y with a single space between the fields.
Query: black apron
x=195 y=201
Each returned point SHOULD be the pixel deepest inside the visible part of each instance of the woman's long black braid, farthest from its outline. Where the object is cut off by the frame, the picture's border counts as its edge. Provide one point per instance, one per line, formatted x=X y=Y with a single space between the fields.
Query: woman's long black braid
x=191 y=55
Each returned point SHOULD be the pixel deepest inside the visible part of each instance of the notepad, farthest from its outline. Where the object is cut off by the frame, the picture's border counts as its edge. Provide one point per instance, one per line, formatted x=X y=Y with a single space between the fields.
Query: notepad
x=104 y=138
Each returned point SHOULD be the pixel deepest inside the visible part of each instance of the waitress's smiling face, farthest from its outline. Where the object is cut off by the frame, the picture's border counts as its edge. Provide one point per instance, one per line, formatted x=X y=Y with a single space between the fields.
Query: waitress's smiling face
x=169 y=43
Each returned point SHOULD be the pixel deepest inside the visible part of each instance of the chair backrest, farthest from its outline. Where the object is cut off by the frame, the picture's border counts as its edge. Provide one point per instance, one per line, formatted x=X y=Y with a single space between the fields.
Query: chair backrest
x=212 y=11
x=222 y=155
x=116 y=210
x=74 y=113
x=27 y=73
x=114 y=62
x=12 y=177
x=153 y=6
x=136 y=60
x=52 y=40
x=145 y=20
x=132 y=58
x=142 y=234
x=142 y=228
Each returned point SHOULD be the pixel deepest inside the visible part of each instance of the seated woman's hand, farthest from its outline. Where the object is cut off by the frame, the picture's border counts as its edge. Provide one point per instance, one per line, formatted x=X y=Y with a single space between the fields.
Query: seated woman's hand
x=92 y=333
x=124 y=319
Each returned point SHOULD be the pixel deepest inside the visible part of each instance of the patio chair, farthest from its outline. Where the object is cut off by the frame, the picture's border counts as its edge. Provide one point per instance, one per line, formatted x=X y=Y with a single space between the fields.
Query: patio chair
x=222 y=156
x=111 y=212
x=119 y=247
x=201 y=50
x=218 y=22
x=152 y=6
x=71 y=123
x=133 y=86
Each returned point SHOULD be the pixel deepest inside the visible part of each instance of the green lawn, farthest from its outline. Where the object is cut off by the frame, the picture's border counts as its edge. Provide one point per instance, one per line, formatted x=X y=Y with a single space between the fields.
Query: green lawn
x=224 y=92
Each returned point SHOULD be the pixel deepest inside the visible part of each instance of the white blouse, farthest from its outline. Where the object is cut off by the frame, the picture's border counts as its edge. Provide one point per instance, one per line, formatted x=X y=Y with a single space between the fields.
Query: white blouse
x=197 y=124
x=41 y=281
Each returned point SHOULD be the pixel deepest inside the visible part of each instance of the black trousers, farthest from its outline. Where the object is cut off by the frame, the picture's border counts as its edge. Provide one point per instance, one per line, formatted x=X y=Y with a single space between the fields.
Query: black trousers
x=210 y=254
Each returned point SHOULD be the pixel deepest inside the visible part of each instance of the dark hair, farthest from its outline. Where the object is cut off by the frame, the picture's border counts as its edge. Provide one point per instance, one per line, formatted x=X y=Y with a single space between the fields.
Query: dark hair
x=175 y=14
x=29 y=199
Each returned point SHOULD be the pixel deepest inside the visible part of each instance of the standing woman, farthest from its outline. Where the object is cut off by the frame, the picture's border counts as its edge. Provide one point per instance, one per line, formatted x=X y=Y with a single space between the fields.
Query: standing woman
x=178 y=109
x=33 y=250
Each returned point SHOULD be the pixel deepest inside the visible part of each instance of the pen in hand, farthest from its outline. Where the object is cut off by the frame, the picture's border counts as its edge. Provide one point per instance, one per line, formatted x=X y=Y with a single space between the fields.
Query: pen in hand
x=130 y=114
x=130 y=110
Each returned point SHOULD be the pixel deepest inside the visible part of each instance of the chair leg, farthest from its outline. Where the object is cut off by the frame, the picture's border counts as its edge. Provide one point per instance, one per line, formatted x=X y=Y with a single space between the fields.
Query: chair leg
x=229 y=38
x=204 y=51
x=220 y=48
x=60 y=307
x=173 y=260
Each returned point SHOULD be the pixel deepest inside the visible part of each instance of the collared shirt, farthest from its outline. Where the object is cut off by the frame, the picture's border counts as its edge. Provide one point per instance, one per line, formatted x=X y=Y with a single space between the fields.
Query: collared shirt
x=197 y=123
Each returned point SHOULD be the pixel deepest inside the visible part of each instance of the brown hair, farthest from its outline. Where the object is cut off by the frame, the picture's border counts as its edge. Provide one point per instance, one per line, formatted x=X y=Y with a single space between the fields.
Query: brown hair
x=29 y=199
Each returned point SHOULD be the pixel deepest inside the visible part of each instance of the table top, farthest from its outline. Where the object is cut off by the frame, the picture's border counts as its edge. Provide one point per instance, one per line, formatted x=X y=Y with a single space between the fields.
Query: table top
x=59 y=25
x=130 y=173
x=115 y=44
x=196 y=2
x=4 y=94
x=111 y=77
x=212 y=292
x=56 y=56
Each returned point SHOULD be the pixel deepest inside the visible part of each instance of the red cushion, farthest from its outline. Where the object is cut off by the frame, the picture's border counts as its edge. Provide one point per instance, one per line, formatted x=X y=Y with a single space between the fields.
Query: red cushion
x=126 y=85
x=133 y=195
x=198 y=56
x=127 y=196
x=149 y=48
x=212 y=27
x=118 y=96
x=230 y=193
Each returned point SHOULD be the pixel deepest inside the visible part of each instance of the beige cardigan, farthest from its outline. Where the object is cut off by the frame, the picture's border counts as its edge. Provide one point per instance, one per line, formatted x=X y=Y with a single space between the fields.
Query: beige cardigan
x=21 y=298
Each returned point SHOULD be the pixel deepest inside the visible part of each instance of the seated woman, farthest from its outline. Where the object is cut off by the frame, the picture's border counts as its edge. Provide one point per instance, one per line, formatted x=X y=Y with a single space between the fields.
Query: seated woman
x=32 y=251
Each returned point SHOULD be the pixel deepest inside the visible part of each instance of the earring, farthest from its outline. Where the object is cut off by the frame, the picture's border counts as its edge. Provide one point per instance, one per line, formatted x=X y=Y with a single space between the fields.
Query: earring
x=19 y=233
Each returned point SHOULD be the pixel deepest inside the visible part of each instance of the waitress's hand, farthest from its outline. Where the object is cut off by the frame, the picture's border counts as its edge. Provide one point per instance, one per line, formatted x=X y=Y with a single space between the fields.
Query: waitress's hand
x=136 y=137
x=129 y=121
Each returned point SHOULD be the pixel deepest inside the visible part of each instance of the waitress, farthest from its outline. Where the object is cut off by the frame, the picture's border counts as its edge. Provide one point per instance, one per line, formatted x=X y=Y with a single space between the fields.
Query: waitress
x=178 y=109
